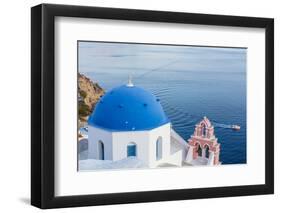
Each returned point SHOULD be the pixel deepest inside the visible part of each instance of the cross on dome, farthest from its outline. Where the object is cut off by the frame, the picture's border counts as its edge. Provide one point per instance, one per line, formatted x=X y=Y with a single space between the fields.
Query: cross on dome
x=130 y=83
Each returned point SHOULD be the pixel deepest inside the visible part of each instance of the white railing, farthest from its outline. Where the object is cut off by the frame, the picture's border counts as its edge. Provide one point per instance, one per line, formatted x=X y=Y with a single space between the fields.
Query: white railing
x=178 y=138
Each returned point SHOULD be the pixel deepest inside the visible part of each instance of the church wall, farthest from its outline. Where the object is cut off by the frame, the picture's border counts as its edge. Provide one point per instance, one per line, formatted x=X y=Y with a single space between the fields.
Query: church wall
x=96 y=134
x=122 y=139
x=165 y=132
x=115 y=144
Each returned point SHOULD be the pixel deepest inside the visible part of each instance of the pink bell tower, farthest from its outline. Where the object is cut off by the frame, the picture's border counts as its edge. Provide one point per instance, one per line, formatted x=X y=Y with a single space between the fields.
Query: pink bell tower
x=204 y=148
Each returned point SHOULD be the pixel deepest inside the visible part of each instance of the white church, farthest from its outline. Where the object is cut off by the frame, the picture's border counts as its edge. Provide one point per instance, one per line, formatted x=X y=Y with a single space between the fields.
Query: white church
x=130 y=126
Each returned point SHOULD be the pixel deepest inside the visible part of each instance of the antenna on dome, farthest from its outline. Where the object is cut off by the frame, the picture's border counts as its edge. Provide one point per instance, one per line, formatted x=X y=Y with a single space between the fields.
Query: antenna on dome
x=130 y=83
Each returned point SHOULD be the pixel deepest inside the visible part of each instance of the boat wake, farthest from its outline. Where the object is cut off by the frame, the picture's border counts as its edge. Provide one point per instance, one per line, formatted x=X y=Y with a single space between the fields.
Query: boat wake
x=226 y=126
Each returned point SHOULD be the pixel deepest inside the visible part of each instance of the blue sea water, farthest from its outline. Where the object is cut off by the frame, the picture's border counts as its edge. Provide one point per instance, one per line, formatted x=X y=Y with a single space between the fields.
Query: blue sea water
x=190 y=81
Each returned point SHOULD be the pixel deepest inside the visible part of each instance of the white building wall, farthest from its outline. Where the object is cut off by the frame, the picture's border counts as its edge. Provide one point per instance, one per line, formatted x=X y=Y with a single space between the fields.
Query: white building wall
x=164 y=132
x=115 y=145
x=94 y=135
x=122 y=139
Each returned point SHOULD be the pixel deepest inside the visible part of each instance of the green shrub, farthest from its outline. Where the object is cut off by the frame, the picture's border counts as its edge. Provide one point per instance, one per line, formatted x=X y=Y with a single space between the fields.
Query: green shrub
x=84 y=110
x=83 y=94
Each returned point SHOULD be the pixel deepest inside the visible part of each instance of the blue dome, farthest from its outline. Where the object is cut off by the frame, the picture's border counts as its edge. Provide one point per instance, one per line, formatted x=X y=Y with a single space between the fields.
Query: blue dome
x=128 y=108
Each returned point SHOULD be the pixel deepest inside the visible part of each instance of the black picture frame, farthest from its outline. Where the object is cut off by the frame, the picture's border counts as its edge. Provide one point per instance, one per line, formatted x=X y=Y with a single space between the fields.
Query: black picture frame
x=43 y=102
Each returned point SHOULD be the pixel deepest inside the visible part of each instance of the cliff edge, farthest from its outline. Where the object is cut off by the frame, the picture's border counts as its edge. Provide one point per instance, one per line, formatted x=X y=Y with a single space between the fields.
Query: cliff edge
x=89 y=94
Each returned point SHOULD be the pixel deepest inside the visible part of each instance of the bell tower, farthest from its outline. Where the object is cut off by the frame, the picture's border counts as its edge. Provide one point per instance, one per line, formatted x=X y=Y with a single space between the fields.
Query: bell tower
x=204 y=148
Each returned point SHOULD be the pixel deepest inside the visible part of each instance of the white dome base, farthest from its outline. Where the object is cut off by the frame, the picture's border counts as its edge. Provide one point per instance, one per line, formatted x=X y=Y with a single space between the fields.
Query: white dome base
x=153 y=147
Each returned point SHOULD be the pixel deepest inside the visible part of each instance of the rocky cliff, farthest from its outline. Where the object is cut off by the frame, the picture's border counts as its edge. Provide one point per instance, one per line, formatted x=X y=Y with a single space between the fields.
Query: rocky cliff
x=88 y=95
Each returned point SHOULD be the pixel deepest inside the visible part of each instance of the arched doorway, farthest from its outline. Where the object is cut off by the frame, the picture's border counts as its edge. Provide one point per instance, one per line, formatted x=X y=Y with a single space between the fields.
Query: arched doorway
x=131 y=149
x=203 y=130
x=199 y=150
x=159 y=148
x=100 y=150
x=207 y=151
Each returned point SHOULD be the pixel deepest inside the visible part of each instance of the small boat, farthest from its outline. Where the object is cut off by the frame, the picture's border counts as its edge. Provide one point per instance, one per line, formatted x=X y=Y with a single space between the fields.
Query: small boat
x=235 y=127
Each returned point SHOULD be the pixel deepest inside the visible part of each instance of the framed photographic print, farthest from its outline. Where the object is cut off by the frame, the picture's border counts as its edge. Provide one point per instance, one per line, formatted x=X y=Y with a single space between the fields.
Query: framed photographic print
x=140 y=106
